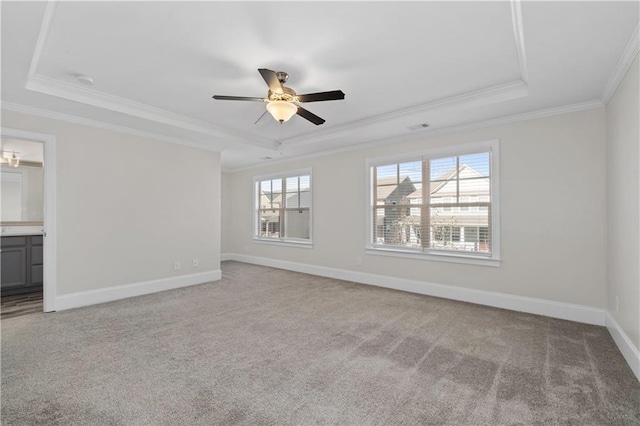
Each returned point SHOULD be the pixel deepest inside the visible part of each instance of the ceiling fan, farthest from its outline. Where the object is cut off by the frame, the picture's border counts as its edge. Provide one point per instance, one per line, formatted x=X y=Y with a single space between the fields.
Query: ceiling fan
x=282 y=101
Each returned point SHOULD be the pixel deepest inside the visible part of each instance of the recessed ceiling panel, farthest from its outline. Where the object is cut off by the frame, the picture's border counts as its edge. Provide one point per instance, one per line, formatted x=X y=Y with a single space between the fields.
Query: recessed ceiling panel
x=385 y=56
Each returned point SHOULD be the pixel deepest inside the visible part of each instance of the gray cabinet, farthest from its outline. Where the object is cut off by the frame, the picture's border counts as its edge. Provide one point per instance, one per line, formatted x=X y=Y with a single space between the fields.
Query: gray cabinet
x=21 y=260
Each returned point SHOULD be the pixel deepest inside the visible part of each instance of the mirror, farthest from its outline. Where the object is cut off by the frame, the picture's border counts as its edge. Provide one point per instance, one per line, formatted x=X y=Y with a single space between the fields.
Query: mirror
x=22 y=190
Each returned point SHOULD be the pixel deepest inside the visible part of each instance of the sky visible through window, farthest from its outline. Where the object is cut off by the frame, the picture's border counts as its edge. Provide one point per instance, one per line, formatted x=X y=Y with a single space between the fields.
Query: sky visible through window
x=275 y=185
x=439 y=167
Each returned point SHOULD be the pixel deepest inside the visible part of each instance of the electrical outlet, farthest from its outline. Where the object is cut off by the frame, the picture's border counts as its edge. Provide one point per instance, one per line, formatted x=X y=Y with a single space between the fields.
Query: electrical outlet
x=195 y=263
x=246 y=248
x=617 y=304
x=359 y=261
x=176 y=265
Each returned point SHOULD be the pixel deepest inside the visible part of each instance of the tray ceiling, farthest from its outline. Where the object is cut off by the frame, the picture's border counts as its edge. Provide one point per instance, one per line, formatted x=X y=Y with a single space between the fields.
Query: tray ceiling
x=155 y=66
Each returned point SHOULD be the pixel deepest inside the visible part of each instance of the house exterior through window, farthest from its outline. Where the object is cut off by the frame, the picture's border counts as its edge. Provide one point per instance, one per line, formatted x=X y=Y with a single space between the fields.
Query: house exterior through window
x=438 y=203
x=283 y=208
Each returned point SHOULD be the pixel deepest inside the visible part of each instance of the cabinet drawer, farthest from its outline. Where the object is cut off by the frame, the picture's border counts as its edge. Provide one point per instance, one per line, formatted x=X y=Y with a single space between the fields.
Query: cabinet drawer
x=13 y=241
x=36 y=240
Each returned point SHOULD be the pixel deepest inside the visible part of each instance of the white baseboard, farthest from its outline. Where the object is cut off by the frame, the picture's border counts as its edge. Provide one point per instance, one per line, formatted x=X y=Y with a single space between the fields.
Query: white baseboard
x=92 y=297
x=226 y=256
x=626 y=346
x=549 y=308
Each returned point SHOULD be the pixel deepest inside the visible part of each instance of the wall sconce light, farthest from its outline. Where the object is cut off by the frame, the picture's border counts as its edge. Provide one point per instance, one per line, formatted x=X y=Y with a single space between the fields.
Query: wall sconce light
x=13 y=160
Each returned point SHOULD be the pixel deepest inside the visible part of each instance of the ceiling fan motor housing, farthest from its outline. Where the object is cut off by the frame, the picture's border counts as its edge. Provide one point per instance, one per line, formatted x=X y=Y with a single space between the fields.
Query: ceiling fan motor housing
x=288 y=95
x=282 y=77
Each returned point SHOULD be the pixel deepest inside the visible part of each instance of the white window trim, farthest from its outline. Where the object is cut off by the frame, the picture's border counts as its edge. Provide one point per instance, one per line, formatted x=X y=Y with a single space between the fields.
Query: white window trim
x=291 y=242
x=493 y=259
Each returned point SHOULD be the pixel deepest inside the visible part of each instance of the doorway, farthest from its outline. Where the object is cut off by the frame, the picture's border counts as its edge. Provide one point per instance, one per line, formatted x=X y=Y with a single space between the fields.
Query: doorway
x=29 y=238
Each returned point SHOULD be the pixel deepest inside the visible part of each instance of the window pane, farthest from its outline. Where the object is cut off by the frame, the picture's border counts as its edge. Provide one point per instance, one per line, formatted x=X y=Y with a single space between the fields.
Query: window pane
x=383 y=192
x=270 y=223
x=398 y=226
x=442 y=168
x=297 y=224
x=391 y=191
x=292 y=184
x=305 y=199
x=271 y=193
x=479 y=163
x=305 y=183
x=292 y=200
x=415 y=198
x=412 y=170
x=471 y=234
x=442 y=222
x=466 y=237
x=387 y=174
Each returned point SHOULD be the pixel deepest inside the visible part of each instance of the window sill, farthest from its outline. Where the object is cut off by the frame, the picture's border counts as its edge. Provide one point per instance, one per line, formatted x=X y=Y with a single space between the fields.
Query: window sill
x=285 y=243
x=440 y=257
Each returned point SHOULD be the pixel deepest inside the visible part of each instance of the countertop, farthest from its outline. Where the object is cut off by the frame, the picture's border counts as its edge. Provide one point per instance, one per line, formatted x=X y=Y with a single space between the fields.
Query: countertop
x=20 y=231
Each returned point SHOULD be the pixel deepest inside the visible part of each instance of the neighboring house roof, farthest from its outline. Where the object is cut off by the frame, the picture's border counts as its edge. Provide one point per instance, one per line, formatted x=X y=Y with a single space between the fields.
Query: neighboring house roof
x=269 y=200
x=389 y=189
x=441 y=181
x=439 y=185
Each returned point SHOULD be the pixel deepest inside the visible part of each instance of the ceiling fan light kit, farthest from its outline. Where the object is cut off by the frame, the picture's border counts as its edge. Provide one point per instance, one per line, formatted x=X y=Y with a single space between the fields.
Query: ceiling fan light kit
x=282 y=110
x=282 y=102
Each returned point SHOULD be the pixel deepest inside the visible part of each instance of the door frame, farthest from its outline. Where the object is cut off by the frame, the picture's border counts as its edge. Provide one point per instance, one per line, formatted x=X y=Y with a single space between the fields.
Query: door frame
x=49 y=286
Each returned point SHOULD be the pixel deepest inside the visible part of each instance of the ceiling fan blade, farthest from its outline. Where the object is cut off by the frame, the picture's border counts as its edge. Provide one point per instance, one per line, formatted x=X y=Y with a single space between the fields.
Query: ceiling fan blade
x=260 y=118
x=310 y=116
x=333 y=95
x=271 y=79
x=238 y=98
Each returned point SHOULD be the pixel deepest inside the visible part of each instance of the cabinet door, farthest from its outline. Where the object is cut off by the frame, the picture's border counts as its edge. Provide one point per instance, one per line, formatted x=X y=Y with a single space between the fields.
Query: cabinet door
x=36 y=275
x=36 y=255
x=14 y=267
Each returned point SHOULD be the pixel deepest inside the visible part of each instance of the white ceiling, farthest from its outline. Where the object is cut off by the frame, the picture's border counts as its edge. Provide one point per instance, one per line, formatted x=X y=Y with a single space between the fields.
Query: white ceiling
x=157 y=64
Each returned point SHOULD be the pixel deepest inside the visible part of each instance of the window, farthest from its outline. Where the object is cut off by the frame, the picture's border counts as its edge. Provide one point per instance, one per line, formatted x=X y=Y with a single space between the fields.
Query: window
x=439 y=204
x=283 y=208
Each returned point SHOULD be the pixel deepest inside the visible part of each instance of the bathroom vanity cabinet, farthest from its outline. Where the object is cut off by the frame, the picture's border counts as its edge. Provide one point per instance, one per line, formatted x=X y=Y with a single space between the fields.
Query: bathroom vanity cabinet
x=21 y=260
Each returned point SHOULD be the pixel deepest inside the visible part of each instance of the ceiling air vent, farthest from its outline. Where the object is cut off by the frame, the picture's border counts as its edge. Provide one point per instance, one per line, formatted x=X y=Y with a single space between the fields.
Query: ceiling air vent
x=418 y=126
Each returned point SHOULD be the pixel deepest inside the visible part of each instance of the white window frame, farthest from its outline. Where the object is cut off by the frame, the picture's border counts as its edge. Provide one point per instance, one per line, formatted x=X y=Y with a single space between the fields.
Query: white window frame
x=484 y=259
x=294 y=242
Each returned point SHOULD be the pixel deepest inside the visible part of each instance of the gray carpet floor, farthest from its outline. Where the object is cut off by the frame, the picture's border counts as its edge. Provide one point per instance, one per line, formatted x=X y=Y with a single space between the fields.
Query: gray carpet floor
x=265 y=346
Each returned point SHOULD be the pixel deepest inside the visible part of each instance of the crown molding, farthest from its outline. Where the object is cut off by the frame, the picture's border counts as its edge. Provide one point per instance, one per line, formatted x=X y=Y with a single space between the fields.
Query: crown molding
x=482 y=97
x=65 y=90
x=494 y=94
x=42 y=36
x=50 y=86
x=10 y=106
x=622 y=66
x=549 y=112
x=518 y=31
